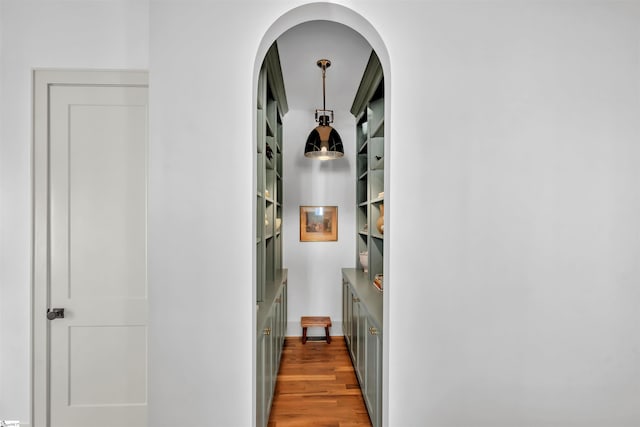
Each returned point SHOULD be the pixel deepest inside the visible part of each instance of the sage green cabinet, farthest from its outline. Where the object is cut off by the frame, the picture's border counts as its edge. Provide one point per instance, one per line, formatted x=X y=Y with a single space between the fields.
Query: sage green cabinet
x=346 y=312
x=264 y=381
x=271 y=277
x=368 y=108
x=362 y=309
x=373 y=371
x=261 y=387
x=362 y=301
x=360 y=315
x=270 y=108
x=272 y=324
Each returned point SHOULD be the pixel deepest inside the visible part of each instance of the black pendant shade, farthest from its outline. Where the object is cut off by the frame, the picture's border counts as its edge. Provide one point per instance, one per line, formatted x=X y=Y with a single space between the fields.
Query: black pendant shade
x=324 y=142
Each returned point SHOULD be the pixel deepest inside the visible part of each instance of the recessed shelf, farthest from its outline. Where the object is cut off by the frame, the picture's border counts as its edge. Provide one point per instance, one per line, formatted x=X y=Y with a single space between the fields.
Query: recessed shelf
x=368 y=109
x=378 y=129
x=269 y=184
x=378 y=164
x=363 y=147
x=270 y=131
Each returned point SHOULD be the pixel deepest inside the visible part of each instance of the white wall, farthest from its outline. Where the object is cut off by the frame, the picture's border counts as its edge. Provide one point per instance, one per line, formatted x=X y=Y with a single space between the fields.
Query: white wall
x=514 y=214
x=201 y=238
x=512 y=217
x=315 y=267
x=43 y=34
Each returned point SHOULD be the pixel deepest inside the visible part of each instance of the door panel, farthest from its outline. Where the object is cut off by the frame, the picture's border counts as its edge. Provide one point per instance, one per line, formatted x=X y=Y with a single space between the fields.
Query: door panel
x=373 y=372
x=98 y=256
x=122 y=367
x=361 y=340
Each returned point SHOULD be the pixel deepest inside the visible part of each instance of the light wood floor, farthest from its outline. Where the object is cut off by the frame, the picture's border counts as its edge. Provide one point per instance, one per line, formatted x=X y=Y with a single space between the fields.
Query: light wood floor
x=317 y=386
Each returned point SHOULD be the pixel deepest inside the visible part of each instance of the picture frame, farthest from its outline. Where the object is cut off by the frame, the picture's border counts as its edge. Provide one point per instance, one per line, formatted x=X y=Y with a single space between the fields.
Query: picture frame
x=318 y=223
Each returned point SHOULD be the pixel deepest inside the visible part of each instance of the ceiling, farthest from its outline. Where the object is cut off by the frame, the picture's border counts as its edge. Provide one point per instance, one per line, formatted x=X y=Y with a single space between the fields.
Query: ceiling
x=302 y=46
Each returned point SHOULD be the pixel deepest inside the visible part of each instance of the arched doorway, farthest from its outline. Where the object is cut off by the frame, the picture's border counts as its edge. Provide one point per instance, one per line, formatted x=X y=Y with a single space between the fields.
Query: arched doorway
x=297 y=17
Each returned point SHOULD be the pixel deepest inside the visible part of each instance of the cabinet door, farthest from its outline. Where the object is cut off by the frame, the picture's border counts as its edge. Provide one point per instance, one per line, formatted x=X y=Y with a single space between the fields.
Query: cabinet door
x=361 y=339
x=373 y=381
x=283 y=317
x=346 y=312
x=358 y=336
x=286 y=308
x=269 y=377
x=355 y=314
x=276 y=337
x=261 y=400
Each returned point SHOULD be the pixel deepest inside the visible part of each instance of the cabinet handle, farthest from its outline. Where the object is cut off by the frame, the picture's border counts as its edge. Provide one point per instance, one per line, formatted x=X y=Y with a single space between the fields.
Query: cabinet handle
x=267 y=331
x=355 y=299
x=373 y=331
x=278 y=300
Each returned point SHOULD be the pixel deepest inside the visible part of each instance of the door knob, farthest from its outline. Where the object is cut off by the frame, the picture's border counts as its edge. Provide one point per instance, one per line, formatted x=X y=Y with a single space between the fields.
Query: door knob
x=55 y=313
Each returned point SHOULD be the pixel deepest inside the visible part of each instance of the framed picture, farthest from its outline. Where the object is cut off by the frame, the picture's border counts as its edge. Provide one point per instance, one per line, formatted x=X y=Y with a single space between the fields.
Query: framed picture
x=318 y=223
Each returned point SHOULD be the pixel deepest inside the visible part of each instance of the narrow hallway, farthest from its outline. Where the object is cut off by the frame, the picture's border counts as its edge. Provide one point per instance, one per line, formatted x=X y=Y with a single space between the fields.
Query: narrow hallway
x=317 y=386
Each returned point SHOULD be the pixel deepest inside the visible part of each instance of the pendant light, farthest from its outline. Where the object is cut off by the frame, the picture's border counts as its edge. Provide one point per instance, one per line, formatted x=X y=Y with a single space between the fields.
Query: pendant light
x=323 y=142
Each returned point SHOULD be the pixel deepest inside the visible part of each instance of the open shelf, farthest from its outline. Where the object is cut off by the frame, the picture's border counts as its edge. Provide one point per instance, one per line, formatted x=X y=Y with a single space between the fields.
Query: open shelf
x=368 y=108
x=269 y=151
x=362 y=298
x=270 y=276
x=378 y=164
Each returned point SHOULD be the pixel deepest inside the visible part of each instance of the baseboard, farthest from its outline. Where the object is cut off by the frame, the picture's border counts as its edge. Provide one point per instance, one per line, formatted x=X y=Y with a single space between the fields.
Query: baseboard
x=294 y=329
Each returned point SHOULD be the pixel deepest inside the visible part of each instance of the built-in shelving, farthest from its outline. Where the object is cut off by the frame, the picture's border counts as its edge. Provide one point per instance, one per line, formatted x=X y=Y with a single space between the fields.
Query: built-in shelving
x=362 y=299
x=271 y=277
x=270 y=109
x=369 y=111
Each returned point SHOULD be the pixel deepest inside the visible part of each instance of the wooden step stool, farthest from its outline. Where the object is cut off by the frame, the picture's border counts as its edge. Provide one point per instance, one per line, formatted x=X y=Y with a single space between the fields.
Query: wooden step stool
x=315 y=321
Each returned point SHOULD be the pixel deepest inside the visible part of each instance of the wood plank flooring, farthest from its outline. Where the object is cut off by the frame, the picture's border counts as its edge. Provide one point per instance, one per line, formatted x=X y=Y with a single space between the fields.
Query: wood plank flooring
x=317 y=386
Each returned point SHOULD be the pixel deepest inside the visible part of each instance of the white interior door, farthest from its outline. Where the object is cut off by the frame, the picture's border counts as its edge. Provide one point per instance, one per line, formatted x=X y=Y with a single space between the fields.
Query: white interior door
x=97 y=353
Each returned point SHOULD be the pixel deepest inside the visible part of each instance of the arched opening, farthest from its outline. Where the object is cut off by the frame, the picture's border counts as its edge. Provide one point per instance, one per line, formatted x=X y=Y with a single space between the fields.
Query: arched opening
x=307 y=18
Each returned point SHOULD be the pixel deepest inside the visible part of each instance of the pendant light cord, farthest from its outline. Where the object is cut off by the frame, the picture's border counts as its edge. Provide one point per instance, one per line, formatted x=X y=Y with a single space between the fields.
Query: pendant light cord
x=324 y=104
